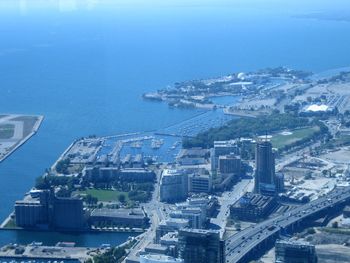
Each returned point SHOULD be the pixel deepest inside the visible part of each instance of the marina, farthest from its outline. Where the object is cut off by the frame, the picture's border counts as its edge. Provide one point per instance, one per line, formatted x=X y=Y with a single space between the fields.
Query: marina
x=161 y=145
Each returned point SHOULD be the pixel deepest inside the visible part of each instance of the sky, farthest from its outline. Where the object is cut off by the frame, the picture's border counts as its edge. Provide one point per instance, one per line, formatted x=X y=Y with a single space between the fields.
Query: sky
x=299 y=6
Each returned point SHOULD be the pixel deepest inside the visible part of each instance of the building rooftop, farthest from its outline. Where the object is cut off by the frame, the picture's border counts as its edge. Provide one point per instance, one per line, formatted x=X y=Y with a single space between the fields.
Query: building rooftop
x=317 y=108
x=229 y=143
x=170 y=237
x=294 y=243
x=193 y=152
x=156 y=247
x=126 y=213
x=252 y=200
x=172 y=172
x=160 y=258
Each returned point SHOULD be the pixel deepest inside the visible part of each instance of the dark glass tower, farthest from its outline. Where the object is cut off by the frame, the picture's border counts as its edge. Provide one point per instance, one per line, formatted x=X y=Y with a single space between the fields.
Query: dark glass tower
x=265 y=168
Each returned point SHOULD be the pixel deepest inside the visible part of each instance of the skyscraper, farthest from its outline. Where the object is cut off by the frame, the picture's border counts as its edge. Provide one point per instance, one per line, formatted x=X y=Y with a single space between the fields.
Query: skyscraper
x=201 y=246
x=265 y=168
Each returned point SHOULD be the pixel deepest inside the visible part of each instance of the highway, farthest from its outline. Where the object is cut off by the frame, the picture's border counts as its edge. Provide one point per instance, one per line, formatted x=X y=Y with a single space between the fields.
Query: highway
x=229 y=198
x=239 y=245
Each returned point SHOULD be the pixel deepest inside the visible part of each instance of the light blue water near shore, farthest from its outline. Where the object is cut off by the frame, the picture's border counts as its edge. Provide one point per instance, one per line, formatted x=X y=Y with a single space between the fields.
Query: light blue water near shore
x=85 y=68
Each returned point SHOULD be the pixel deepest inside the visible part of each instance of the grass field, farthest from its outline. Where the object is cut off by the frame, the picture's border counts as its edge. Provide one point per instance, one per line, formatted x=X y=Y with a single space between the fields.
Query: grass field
x=279 y=140
x=105 y=195
x=7 y=131
x=10 y=224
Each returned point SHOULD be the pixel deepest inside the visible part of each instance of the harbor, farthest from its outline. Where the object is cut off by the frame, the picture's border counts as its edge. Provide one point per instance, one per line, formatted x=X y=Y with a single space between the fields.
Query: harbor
x=161 y=145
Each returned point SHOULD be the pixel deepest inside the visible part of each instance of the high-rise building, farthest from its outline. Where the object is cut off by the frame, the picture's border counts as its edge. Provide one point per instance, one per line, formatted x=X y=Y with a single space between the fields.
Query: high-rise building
x=42 y=209
x=279 y=182
x=201 y=246
x=173 y=185
x=230 y=164
x=68 y=213
x=30 y=213
x=291 y=251
x=265 y=168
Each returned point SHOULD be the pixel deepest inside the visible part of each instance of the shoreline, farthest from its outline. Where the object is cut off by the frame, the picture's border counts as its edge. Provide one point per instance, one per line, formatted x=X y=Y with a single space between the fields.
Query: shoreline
x=88 y=231
x=240 y=113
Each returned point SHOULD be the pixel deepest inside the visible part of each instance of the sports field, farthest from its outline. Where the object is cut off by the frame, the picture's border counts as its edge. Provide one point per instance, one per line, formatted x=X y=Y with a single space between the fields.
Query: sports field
x=105 y=195
x=282 y=139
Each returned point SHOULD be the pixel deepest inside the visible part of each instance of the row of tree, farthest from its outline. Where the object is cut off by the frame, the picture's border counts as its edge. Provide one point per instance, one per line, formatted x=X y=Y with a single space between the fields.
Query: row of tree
x=246 y=127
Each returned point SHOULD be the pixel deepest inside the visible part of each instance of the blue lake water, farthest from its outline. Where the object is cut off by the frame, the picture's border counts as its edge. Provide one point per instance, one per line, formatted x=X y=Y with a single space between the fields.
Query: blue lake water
x=85 y=64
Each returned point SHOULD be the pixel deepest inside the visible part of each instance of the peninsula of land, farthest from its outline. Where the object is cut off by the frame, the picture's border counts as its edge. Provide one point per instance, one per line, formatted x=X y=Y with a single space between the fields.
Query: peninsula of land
x=15 y=130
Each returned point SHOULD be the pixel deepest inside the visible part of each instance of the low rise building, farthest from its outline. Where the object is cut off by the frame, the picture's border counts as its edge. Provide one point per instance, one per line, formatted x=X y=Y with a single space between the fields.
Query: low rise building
x=222 y=148
x=194 y=216
x=193 y=156
x=170 y=225
x=136 y=174
x=156 y=249
x=292 y=251
x=346 y=212
x=194 y=210
x=169 y=239
x=156 y=258
x=253 y=207
x=97 y=173
x=119 y=217
x=200 y=183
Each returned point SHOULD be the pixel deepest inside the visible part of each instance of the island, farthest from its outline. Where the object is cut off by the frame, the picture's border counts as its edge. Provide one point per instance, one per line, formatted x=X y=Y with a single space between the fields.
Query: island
x=15 y=130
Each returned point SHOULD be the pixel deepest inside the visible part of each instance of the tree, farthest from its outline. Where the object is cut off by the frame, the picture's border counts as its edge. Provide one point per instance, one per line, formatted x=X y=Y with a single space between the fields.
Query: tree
x=311 y=231
x=42 y=183
x=238 y=226
x=90 y=200
x=62 y=166
x=244 y=127
x=122 y=198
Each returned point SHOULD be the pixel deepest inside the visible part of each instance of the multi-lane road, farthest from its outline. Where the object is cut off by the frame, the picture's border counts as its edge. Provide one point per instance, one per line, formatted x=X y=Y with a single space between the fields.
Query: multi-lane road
x=155 y=211
x=229 y=198
x=238 y=246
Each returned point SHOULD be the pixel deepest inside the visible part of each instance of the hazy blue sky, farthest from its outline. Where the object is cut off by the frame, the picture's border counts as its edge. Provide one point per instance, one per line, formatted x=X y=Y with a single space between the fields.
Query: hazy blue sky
x=299 y=6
